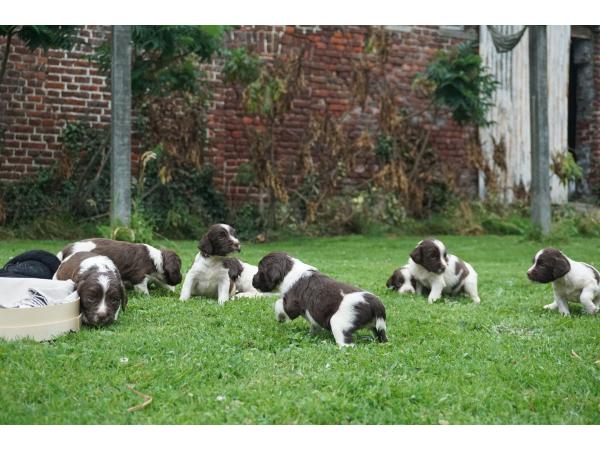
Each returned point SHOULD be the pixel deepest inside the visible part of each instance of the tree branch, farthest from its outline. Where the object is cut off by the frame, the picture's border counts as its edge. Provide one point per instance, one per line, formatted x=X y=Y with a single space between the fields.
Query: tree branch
x=6 y=53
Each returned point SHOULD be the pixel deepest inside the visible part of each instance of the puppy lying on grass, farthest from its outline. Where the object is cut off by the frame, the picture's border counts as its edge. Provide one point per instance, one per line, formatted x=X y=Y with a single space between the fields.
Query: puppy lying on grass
x=98 y=283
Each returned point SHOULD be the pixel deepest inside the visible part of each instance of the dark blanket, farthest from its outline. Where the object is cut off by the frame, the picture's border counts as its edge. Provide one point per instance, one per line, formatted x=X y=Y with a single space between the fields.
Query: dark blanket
x=31 y=264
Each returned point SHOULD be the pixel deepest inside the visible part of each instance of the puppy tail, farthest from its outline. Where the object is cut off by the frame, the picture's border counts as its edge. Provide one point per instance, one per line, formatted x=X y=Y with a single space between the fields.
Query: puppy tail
x=380 y=329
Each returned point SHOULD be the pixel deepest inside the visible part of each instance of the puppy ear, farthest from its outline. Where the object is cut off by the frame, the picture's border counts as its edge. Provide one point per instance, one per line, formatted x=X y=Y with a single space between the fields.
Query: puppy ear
x=171 y=267
x=205 y=246
x=561 y=267
x=390 y=282
x=273 y=276
x=417 y=254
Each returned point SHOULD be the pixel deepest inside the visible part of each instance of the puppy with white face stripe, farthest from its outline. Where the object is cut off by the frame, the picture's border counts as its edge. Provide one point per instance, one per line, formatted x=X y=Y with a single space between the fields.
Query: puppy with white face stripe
x=215 y=275
x=98 y=283
x=322 y=301
x=403 y=282
x=442 y=273
x=572 y=281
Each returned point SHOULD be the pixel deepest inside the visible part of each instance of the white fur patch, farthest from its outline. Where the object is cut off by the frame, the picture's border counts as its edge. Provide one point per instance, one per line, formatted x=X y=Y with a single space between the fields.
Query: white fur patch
x=279 y=310
x=299 y=270
x=407 y=287
x=101 y=263
x=345 y=317
x=442 y=248
x=229 y=230
x=156 y=257
x=535 y=260
x=104 y=281
x=83 y=246
x=313 y=323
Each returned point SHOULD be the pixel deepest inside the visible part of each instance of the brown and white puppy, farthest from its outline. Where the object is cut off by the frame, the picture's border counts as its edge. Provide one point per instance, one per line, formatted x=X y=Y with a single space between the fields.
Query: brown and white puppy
x=98 y=283
x=322 y=301
x=213 y=274
x=138 y=264
x=403 y=282
x=433 y=268
x=572 y=281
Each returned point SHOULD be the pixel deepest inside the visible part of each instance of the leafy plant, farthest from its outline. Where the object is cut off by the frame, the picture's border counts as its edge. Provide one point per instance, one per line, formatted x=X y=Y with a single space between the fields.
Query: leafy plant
x=247 y=221
x=166 y=58
x=460 y=82
x=36 y=37
x=182 y=204
x=565 y=167
x=267 y=92
x=240 y=67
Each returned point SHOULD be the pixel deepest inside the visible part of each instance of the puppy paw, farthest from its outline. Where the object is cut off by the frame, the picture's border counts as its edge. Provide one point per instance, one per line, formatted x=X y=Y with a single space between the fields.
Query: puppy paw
x=345 y=345
x=551 y=306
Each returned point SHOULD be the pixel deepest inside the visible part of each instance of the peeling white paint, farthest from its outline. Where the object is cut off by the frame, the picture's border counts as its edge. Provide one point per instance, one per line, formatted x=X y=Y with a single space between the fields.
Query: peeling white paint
x=510 y=112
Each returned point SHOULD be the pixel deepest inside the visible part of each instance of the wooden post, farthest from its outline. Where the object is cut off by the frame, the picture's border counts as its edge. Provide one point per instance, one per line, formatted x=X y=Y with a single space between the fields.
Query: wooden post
x=121 y=126
x=540 y=148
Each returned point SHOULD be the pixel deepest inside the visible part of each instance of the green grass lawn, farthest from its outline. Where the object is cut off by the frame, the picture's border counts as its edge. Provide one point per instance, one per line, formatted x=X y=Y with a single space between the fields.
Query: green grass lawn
x=505 y=361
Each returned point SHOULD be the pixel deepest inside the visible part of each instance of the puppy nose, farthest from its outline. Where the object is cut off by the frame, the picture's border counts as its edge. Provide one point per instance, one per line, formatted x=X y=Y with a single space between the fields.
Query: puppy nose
x=281 y=317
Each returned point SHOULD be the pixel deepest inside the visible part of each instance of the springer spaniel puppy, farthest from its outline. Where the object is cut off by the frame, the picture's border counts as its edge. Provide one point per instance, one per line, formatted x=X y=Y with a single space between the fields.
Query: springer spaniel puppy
x=403 y=281
x=433 y=268
x=98 y=283
x=322 y=301
x=138 y=264
x=572 y=281
x=213 y=274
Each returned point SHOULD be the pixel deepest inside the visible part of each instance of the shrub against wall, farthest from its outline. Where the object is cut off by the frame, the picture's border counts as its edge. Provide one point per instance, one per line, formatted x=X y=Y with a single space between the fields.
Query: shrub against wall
x=408 y=176
x=76 y=192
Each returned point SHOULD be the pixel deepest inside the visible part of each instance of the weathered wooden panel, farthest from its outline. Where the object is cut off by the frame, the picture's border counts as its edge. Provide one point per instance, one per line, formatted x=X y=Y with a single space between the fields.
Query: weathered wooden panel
x=559 y=42
x=506 y=143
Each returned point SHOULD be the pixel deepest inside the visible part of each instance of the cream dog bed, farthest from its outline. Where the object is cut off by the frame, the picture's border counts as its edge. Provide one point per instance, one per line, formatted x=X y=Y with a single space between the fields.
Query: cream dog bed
x=37 y=308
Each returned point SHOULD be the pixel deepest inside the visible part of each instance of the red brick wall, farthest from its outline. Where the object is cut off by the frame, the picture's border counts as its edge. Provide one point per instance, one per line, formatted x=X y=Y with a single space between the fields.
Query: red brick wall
x=43 y=92
x=590 y=135
x=330 y=49
x=40 y=93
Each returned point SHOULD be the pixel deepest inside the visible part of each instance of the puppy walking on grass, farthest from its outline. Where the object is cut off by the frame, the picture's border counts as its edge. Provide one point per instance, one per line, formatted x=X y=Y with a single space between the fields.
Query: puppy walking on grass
x=571 y=280
x=322 y=301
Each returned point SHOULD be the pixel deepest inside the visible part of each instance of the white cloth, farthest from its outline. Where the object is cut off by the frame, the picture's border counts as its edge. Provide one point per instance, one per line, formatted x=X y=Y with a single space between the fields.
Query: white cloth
x=31 y=292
